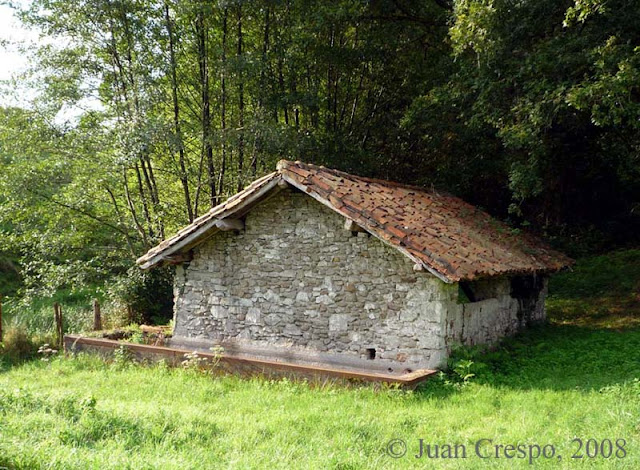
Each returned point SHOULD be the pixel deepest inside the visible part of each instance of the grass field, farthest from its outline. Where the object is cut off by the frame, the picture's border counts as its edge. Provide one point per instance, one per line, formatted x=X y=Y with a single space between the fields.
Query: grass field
x=575 y=378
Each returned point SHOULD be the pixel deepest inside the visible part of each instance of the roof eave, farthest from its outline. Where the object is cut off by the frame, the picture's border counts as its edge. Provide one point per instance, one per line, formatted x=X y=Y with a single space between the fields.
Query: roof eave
x=146 y=262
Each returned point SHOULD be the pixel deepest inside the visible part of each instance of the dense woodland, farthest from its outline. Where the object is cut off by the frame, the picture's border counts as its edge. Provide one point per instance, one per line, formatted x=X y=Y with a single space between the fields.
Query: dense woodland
x=527 y=108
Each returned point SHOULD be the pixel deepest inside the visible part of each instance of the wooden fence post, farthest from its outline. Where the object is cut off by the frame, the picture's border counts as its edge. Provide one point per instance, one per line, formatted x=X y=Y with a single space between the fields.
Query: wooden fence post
x=0 y=318
x=97 y=319
x=129 y=314
x=57 y=315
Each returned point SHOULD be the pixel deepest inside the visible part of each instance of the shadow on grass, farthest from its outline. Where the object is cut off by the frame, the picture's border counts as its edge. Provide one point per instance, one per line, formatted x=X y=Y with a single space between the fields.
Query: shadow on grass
x=562 y=357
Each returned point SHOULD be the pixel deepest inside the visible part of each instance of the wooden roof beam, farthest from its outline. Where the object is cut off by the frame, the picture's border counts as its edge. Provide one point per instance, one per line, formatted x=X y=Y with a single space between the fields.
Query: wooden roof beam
x=230 y=224
x=352 y=226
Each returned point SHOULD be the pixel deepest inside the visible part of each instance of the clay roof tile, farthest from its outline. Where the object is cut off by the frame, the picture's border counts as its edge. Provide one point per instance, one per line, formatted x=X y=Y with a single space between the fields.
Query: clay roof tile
x=453 y=239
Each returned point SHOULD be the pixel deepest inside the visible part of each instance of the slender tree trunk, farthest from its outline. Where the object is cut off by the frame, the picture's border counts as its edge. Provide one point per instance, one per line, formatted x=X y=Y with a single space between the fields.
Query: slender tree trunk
x=132 y=210
x=135 y=113
x=176 y=113
x=223 y=102
x=263 y=82
x=145 y=158
x=313 y=111
x=283 y=92
x=145 y=206
x=330 y=79
x=240 y=105
x=121 y=221
x=196 y=207
x=203 y=63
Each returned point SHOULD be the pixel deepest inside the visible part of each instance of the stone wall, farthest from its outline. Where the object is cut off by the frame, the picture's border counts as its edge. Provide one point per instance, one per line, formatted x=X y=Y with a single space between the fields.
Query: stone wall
x=296 y=278
x=500 y=313
x=296 y=281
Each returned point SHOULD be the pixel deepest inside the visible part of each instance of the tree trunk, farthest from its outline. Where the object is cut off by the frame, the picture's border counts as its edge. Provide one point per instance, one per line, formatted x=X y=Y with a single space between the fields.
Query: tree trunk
x=223 y=102
x=240 y=104
x=121 y=221
x=176 y=114
x=263 y=82
x=145 y=206
x=132 y=210
x=203 y=63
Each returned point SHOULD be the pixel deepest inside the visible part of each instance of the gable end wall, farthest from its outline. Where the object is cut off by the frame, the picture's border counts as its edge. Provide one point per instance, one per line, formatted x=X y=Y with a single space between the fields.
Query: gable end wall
x=295 y=278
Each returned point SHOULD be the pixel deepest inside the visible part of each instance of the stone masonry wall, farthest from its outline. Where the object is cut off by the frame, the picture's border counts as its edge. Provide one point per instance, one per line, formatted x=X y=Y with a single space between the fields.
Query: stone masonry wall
x=296 y=278
x=486 y=321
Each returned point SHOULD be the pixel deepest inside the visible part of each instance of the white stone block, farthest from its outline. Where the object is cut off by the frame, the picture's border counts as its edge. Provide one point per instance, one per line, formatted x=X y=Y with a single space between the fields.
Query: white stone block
x=253 y=316
x=302 y=297
x=339 y=322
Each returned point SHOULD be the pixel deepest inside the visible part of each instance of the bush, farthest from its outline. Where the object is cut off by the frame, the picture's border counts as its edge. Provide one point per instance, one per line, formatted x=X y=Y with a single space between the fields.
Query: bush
x=466 y=363
x=148 y=294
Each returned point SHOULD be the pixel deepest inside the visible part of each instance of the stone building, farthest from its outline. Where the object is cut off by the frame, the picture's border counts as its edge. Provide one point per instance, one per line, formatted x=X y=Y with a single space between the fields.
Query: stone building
x=312 y=265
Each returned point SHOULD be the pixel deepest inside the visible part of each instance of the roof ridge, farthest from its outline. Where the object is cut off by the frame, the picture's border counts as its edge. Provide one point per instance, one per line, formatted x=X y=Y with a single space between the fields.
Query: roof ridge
x=283 y=164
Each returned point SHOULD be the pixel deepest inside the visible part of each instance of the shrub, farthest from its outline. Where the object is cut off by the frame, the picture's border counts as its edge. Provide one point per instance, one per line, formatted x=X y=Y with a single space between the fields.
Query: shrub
x=466 y=363
x=17 y=344
x=196 y=363
x=122 y=358
x=149 y=294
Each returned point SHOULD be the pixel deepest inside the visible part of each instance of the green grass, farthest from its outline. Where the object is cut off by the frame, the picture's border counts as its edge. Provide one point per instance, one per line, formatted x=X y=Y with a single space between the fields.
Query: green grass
x=577 y=377
x=35 y=316
x=599 y=292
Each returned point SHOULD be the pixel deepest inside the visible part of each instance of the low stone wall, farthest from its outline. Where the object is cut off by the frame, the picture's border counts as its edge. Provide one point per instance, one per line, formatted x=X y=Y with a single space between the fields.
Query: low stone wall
x=486 y=321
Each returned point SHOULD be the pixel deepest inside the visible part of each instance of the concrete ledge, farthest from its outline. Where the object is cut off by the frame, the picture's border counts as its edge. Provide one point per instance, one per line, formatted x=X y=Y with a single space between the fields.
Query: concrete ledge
x=295 y=355
x=246 y=366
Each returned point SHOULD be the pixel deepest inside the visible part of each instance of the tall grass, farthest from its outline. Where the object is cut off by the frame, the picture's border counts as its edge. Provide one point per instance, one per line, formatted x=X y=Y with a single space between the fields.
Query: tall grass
x=35 y=316
x=29 y=322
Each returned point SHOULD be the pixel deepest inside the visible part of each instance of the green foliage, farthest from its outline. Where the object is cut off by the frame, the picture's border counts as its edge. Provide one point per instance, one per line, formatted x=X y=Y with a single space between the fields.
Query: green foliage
x=137 y=338
x=122 y=358
x=542 y=97
x=149 y=294
x=464 y=365
x=10 y=278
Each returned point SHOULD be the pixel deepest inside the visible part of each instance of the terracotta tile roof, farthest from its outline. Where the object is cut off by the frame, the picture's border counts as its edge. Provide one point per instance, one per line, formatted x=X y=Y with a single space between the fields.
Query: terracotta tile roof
x=445 y=235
